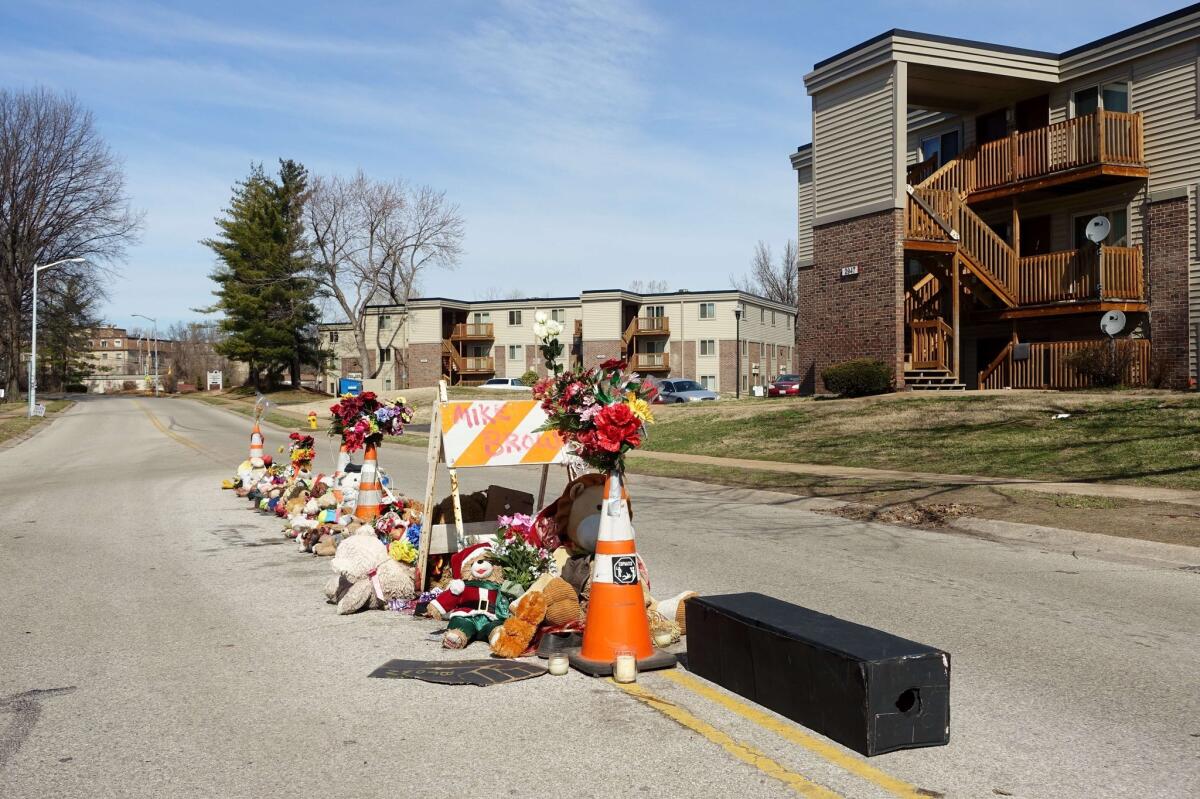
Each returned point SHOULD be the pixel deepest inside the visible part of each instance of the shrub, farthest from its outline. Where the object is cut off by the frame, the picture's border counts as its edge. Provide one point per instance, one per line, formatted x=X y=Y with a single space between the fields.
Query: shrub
x=76 y=388
x=129 y=385
x=171 y=383
x=858 y=378
x=1102 y=364
x=529 y=378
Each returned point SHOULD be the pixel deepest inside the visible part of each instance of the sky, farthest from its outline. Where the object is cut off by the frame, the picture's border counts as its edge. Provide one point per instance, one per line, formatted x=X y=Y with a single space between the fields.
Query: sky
x=588 y=144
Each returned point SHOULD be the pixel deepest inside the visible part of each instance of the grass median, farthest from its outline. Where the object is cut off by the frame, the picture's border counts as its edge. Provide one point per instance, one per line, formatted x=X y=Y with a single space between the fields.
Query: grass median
x=1102 y=437
x=16 y=423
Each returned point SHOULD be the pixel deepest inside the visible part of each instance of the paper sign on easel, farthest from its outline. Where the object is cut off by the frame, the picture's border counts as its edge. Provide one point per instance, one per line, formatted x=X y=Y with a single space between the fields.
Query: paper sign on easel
x=480 y=434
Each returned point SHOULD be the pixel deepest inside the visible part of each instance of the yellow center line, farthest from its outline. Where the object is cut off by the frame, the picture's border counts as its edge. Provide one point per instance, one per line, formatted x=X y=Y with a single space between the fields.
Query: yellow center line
x=187 y=442
x=743 y=752
x=828 y=751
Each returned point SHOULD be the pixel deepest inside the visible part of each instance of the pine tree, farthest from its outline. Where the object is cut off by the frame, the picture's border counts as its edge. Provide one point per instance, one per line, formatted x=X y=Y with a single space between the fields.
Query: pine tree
x=262 y=289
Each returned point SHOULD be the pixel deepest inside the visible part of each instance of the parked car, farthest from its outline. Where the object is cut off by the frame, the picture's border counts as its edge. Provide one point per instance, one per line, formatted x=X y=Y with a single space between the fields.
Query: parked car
x=506 y=384
x=670 y=391
x=784 y=386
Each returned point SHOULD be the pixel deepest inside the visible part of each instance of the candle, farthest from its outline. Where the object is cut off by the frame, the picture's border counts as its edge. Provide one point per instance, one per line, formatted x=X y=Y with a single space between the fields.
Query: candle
x=558 y=665
x=663 y=639
x=625 y=669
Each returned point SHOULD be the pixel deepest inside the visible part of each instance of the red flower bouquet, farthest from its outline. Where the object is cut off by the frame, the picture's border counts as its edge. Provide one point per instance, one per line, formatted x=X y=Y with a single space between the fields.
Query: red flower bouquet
x=366 y=419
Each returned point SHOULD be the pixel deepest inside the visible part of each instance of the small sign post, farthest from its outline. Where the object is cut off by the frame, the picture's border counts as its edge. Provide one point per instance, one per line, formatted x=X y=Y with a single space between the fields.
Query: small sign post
x=216 y=378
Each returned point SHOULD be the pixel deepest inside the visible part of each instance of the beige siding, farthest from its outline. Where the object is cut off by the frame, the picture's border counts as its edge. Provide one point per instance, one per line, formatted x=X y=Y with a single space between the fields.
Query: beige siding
x=602 y=320
x=922 y=125
x=804 y=215
x=425 y=325
x=853 y=144
x=1164 y=90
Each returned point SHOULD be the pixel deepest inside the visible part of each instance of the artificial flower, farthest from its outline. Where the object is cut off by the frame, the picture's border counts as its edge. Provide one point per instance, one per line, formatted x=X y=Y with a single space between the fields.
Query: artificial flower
x=639 y=407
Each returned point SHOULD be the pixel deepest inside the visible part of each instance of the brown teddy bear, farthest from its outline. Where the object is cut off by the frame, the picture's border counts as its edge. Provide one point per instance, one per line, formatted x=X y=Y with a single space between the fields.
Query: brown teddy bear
x=514 y=636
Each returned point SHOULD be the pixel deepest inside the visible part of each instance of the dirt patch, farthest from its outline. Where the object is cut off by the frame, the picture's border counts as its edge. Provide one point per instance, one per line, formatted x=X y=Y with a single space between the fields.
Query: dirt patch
x=936 y=514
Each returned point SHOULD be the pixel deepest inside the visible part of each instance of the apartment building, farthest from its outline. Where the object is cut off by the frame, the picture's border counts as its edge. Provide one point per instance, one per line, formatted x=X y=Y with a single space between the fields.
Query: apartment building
x=113 y=358
x=944 y=202
x=695 y=334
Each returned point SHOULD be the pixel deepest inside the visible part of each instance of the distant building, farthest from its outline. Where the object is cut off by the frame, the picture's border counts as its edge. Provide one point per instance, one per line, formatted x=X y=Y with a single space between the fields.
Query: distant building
x=692 y=334
x=115 y=360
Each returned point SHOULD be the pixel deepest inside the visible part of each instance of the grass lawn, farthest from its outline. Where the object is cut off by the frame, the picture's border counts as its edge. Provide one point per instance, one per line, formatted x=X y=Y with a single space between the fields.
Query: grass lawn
x=15 y=423
x=282 y=397
x=1151 y=439
x=247 y=409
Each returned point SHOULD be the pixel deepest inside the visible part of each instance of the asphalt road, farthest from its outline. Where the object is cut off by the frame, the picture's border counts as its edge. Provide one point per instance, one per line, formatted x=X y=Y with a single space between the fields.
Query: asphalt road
x=158 y=638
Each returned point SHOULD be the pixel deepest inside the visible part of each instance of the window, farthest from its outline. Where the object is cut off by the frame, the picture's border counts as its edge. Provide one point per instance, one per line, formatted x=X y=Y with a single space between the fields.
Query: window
x=942 y=148
x=745 y=347
x=117 y=343
x=104 y=355
x=708 y=346
x=559 y=315
x=762 y=315
x=745 y=380
x=384 y=321
x=514 y=318
x=483 y=317
x=1110 y=97
x=514 y=352
x=708 y=310
x=1118 y=237
x=654 y=311
x=385 y=354
x=772 y=319
x=709 y=382
x=333 y=337
x=104 y=342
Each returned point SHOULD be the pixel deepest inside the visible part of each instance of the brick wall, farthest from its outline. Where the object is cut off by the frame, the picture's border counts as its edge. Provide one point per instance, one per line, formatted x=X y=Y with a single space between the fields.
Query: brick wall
x=427 y=373
x=596 y=352
x=727 y=349
x=1166 y=237
x=856 y=317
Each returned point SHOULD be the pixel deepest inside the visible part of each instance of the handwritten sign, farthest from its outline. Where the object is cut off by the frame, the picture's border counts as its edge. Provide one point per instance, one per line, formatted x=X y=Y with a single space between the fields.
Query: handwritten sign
x=498 y=433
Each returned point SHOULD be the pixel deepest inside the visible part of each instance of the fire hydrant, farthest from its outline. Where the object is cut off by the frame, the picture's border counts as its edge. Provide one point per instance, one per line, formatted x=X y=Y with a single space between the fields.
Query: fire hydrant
x=312 y=420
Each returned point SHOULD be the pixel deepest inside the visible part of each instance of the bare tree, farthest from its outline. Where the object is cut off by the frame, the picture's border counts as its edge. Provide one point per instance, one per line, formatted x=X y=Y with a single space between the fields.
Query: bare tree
x=497 y=293
x=775 y=280
x=62 y=195
x=372 y=243
x=649 y=286
x=193 y=349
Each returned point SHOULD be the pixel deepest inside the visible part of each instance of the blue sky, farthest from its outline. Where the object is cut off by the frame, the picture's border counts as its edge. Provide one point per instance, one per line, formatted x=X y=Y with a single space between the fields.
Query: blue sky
x=588 y=143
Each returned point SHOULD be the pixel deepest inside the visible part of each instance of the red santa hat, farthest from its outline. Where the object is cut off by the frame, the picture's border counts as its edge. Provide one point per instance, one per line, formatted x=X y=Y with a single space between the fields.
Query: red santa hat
x=458 y=559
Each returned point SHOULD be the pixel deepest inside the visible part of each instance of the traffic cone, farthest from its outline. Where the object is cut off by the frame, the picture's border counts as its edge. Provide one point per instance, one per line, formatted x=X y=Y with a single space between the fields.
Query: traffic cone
x=343 y=460
x=256 y=441
x=616 y=614
x=370 y=493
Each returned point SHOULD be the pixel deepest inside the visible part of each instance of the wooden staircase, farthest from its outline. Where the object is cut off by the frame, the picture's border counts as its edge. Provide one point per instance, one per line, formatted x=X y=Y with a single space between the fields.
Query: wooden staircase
x=931 y=380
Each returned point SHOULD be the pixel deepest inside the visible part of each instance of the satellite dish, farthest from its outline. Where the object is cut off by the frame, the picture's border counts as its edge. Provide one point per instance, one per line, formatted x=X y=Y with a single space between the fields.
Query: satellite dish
x=1098 y=228
x=1112 y=322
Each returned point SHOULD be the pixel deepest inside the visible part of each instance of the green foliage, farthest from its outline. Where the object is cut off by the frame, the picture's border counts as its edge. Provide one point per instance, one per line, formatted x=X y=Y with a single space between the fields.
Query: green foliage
x=66 y=313
x=858 y=378
x=270 y=316
x=529 y=378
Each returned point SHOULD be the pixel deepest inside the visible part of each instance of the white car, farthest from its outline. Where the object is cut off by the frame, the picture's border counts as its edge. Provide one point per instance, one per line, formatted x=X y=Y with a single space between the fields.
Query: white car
x=506 y=384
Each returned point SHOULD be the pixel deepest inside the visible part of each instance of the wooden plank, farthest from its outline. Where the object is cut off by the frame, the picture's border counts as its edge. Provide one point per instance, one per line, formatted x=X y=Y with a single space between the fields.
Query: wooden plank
x=930 y=246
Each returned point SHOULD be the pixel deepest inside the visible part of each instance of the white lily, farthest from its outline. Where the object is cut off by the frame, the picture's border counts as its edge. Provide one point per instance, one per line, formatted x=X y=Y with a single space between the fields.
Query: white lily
x=540 y=317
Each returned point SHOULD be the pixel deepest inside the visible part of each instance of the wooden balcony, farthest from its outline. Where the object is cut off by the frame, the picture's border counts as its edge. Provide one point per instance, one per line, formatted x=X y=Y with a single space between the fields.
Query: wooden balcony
x=1104 y=143
x=1049 y=365
x=473 y=365
x=647 y=326
x=931 y=339
x=478 y=331
x=1115 y=274
x=651 y=362
x=578 y=328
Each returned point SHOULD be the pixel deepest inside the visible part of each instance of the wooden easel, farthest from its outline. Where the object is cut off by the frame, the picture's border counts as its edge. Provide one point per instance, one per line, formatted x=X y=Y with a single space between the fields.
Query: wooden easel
x=437 y=539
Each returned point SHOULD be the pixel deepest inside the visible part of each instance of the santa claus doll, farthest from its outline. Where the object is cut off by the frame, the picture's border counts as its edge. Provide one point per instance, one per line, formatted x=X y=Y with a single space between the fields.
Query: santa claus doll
x=473 y=605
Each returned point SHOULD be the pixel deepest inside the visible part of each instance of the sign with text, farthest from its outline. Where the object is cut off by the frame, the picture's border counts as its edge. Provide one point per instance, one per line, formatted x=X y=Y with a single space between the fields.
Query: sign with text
x=215 y=379
x=498 y=433
x=849 y=271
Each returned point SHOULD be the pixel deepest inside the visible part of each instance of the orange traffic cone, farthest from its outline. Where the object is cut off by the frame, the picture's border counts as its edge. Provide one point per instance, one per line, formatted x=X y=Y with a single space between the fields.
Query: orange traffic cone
x=370 y=492
x=343 y=460
x=256 y=441
x=616 y=615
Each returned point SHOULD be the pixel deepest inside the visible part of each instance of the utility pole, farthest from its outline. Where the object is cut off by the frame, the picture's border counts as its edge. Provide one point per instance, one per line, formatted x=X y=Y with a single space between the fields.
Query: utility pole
x=33 y=338
x=154 y=335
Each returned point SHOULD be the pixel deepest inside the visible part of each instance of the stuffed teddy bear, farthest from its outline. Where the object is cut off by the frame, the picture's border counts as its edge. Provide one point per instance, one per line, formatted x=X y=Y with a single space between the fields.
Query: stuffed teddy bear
x=473 y=604
x=514 y=636
x=373 y=576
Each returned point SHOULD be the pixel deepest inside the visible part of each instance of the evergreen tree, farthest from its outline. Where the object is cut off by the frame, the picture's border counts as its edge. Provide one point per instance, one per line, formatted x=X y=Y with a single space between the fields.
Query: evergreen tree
x=66 y=316
x=269 y=315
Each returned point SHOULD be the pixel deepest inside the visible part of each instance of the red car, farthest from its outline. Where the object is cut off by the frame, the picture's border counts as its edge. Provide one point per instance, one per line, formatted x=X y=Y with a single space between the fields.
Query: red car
x=785 y=386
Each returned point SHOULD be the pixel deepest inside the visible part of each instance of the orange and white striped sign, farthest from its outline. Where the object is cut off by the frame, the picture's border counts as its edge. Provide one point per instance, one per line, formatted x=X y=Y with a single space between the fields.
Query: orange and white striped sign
x=498 y=433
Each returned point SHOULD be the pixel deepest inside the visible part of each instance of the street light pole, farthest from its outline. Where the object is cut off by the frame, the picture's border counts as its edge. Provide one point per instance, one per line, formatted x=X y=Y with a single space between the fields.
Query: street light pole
x=737 y=378
x=33 y=338
x=154 y=334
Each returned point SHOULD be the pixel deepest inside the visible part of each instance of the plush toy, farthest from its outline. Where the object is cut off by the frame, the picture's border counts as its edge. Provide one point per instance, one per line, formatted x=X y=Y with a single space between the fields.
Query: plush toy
x=374 y=578
x=473 y=604
x=513 y=637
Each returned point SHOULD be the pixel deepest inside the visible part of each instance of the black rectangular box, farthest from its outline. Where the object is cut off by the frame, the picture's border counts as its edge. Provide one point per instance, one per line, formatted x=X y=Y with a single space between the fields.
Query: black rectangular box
x=866 y=689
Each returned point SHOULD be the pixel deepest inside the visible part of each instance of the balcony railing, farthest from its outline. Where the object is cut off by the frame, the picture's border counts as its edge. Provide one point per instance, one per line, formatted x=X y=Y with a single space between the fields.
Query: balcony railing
x=1082 y=275
x=647 y=326
x=1105 y=138
x=471 y=364
x=930 y=344
x=1048 y=365
x=481 y=330
x=651 y=361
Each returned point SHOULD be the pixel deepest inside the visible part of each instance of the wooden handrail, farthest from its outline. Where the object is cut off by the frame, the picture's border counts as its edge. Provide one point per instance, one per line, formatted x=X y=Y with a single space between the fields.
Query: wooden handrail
x=930 y=343
x=1075 y=275
x=1049 y=365
x=986 y=374
x=473 y=330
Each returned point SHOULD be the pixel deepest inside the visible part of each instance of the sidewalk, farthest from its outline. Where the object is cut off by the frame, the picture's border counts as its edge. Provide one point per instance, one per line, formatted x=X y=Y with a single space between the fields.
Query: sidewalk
x=1130 y=492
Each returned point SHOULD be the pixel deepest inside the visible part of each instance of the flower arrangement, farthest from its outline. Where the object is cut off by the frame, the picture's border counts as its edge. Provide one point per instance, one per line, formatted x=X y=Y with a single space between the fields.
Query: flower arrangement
x=405 y=549
x=547 y=331
x=601 y=413
x=518 y=547
x=366 y=419
x=303 y=448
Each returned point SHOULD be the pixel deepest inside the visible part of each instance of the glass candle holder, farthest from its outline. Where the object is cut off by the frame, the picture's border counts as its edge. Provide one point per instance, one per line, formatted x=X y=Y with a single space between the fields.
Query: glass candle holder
x=558 y=665
x=625 y=668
